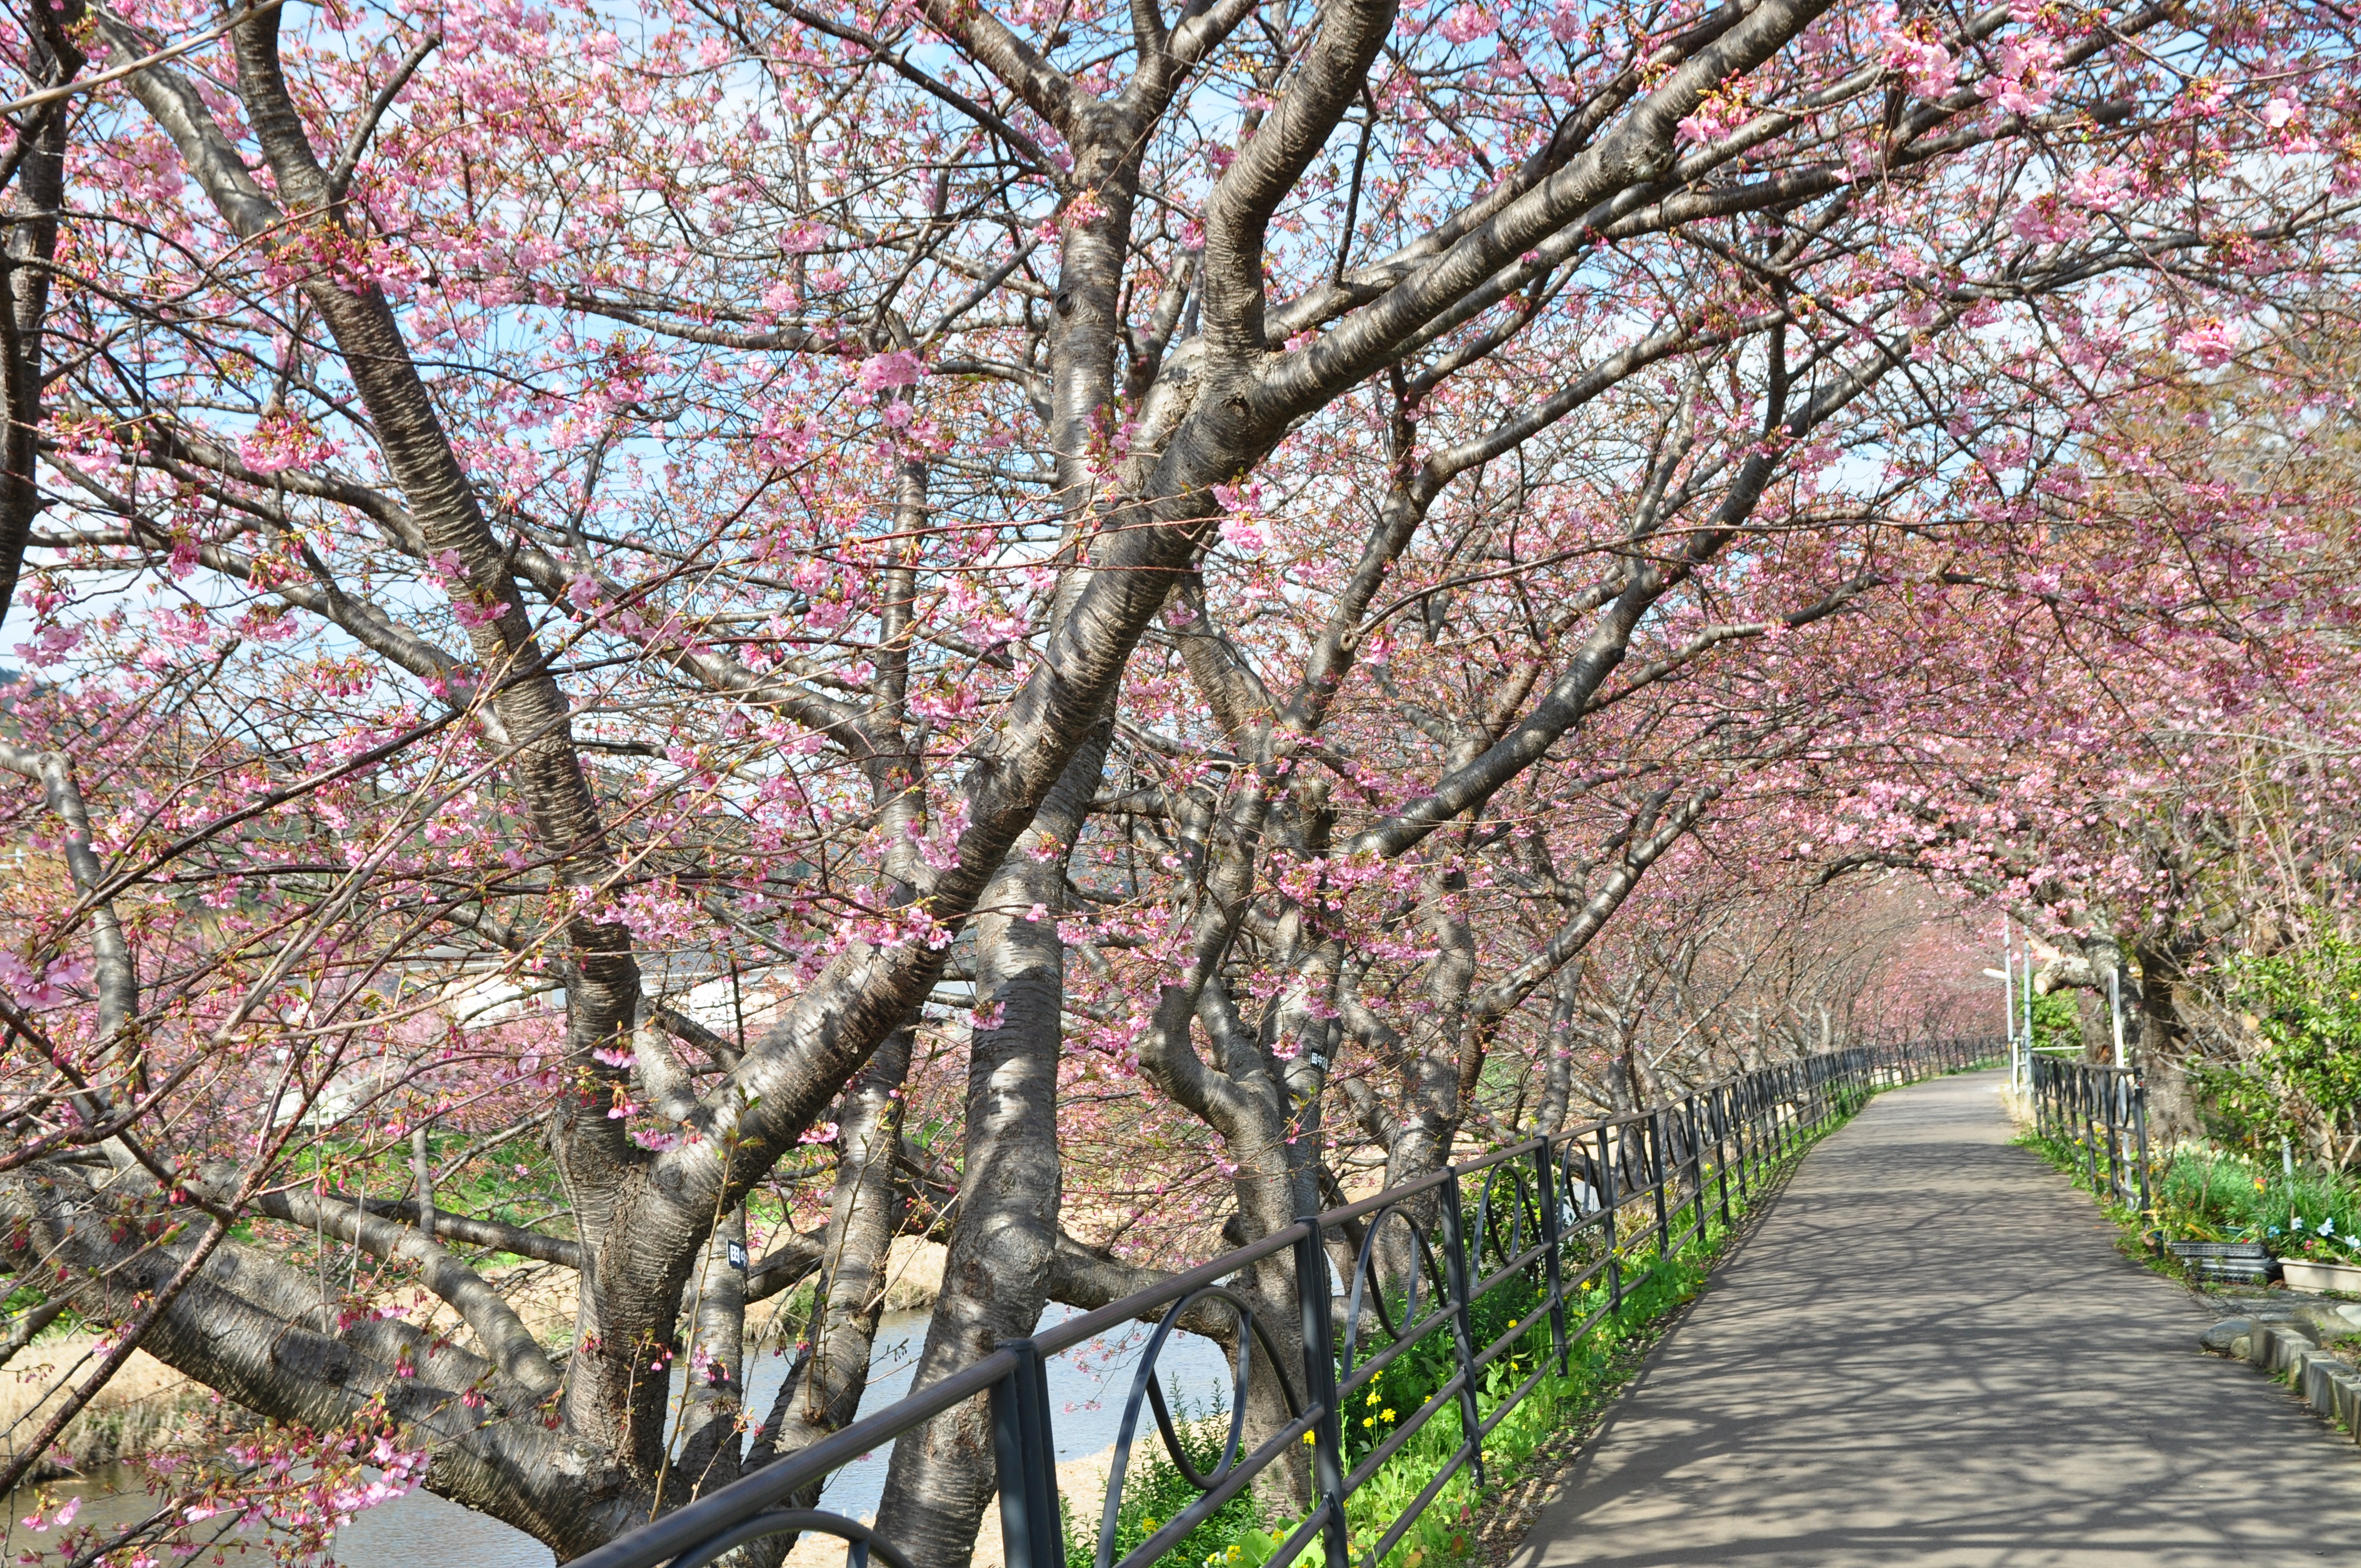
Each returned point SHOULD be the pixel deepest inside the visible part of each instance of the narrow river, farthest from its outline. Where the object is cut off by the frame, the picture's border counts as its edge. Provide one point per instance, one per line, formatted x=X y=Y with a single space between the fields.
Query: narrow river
x=1087 y=1389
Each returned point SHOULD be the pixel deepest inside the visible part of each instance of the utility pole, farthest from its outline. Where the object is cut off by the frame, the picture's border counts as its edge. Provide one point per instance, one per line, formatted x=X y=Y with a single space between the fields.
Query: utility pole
x=2016 y=1045
x=2008 y=997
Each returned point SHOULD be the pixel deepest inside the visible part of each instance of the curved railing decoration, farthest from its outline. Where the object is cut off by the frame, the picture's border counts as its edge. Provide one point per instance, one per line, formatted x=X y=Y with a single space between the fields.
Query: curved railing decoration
x=2104 y=1109
x=1251 y=1333
x=1553 y=1225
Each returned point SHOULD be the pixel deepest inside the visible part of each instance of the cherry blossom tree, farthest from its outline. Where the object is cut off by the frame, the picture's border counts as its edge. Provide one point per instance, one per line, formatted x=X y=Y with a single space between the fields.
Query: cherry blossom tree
x=685 y=597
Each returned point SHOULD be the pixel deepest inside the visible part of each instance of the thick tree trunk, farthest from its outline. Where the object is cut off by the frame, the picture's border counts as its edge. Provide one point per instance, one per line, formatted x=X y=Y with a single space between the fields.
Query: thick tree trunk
x=1004 y=1233
x=1557 y=1085
x=2172 y=1111
x=713 y=1400
x=26 y=255
x=822 y=1394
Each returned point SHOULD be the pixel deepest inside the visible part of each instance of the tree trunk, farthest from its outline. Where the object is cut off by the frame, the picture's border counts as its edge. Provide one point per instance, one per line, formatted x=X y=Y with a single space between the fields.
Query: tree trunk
x=1004 y=1233
x=822 y=1394
x=713 y=1397
x=1558 y=1088
x=2172 y=1111
x=31 y=246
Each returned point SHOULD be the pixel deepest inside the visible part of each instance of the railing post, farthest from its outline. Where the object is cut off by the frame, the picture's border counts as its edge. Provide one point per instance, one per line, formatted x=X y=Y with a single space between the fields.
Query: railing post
x=1315 y=1298
x=1720 y=1150
x=2139 y=1123
x=1755 y=1120
x=2114 y=1162
x=1026 y=1459
x=1607 y=1197
x=1658 y=1177
x=1552 y=1233
x=2105 y=1094
x=1741 y=1106
x=1774 y=1136
x=1697 y=1164
x=1766 y=1128
x=2089 y=1139
x=1463 y=1326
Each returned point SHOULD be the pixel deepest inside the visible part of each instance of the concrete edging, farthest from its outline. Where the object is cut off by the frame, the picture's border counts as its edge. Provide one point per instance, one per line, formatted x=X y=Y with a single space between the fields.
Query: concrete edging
x=2288 y=1350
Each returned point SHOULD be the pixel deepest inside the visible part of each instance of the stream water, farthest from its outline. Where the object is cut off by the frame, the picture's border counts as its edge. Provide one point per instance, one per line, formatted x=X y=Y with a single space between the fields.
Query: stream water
x=1088 y=1387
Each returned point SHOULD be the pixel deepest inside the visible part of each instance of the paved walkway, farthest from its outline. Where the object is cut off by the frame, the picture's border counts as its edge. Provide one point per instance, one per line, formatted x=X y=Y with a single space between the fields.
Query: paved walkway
x=1930 y=1353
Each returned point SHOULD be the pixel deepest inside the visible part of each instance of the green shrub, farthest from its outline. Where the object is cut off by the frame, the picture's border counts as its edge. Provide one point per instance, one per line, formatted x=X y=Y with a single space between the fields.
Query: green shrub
x=2302 y=1074
x=2057 y=1024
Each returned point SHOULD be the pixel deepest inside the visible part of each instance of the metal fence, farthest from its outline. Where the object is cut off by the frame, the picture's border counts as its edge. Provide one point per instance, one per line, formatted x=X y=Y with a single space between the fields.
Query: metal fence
x=2104 y=1109
x=1557 y=1229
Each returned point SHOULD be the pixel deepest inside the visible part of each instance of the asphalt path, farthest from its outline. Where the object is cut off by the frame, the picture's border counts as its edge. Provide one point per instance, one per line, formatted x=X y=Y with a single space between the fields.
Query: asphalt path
x=1931 y=1352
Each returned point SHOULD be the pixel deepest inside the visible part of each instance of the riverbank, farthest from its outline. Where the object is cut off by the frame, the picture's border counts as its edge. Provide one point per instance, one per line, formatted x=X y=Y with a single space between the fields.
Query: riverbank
x=148 y=1409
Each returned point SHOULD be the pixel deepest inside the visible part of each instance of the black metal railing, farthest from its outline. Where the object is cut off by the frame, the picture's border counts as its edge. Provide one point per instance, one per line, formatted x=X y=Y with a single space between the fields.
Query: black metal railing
x=1555 y=1215
x=2102 y=1111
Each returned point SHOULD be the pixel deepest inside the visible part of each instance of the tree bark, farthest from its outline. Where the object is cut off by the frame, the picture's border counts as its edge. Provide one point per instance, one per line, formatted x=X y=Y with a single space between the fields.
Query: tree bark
x=707 y=1446
x=1005 y=1234
x=31 y=246
x=822 y=1393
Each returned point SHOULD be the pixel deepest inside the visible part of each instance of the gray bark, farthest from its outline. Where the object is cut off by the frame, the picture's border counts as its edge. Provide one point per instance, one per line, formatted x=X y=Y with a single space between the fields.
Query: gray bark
x=708 y=1445
x=822 y=1393
x=1005 y=1232
x=1558 y=1091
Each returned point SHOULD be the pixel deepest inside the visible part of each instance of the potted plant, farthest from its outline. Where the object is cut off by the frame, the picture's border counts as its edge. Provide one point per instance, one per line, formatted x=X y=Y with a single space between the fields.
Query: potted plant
x=2316 y=1258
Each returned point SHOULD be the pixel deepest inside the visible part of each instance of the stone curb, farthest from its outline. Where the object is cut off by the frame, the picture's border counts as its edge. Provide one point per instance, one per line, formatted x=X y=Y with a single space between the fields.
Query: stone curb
x=2287 y=1348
